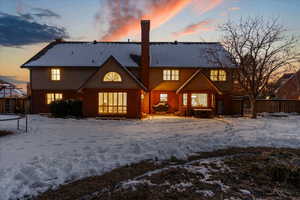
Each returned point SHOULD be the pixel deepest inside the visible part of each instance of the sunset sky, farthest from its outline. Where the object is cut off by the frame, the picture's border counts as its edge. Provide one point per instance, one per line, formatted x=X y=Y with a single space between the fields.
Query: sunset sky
x=26 y=26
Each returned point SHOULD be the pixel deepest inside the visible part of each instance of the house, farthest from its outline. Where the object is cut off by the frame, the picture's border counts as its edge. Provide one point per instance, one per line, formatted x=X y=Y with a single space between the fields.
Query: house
x=130 y=78
x=289 y=86
x=12 y=99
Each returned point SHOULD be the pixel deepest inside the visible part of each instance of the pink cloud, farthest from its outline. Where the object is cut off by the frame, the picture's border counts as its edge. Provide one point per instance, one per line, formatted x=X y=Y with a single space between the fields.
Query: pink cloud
x=203 y=6
x=205 y=25
x=125 y=15
x=234 y=8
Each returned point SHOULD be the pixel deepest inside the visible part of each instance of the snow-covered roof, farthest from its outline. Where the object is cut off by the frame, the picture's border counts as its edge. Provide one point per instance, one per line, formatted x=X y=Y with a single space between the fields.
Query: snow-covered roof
x=8 y=90
x=90 y=54
x=11 y=93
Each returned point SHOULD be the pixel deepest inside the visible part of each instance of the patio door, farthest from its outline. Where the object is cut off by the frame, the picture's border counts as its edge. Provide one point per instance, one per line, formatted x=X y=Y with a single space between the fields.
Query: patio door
x=112 y=103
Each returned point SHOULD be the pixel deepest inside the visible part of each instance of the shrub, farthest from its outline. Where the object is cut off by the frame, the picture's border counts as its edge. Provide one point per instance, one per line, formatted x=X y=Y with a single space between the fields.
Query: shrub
x=279 y=173
x=285 y=174
x=65 y=108
x=75 y=108
x=5 y=133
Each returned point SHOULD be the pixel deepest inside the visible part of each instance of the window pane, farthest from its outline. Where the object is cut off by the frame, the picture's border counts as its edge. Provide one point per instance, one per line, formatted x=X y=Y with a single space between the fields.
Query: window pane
x=199 y=99
x=184 y=99
x=120 y=98
x=105 y=98
x=101 y=99
x=55 y=74
x=110 y=99
x=163 y=97
x=124 y=99
x=175 y=75
x=222 y=75
x=58 y=96
x=214 y=75
x=49 y=97
x=112 y=77
x=166 y=75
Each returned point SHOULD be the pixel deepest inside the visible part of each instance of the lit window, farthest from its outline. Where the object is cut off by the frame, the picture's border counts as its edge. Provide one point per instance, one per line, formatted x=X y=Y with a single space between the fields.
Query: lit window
x=184 y=99
x=112 y=77
x=166 y=75
x=55 y=74
x=50 y=97
x=214 y=75
x=171 y=75
x=199 y=100
x=163 y=97
x=112 y=103
x=218 y=75
x=175 y=75
x=222 y=75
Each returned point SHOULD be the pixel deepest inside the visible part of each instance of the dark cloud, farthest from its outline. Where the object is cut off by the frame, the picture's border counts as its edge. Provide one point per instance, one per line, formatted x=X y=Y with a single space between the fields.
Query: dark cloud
x=17 y=30
x=12 y=79
x=27 y=16
x=45 y=13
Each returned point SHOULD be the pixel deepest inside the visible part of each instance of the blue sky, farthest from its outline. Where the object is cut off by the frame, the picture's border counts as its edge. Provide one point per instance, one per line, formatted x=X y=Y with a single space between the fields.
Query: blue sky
x=76 y=19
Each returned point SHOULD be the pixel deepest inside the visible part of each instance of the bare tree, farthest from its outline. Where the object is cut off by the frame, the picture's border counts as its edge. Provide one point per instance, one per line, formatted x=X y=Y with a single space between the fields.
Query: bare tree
x=258 y=48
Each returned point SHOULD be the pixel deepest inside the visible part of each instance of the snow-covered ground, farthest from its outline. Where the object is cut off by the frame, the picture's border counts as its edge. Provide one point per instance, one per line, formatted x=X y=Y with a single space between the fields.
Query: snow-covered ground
x=55 y=151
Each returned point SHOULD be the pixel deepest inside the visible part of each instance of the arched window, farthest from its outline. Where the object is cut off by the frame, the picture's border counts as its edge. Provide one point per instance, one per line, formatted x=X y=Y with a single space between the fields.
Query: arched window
x=112 y=77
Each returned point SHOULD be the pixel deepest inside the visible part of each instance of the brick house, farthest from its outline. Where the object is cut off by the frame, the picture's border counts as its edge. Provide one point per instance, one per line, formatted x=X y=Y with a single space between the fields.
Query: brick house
x=130 y=78
x=289 y=86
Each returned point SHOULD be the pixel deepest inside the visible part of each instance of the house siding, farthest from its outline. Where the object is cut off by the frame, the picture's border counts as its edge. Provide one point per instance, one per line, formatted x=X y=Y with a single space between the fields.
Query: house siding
x=71 y=78
x=290 y=89
x=157 y=82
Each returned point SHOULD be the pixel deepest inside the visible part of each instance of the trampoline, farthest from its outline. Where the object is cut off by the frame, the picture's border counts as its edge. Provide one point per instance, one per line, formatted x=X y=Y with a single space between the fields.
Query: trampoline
x=16 y=117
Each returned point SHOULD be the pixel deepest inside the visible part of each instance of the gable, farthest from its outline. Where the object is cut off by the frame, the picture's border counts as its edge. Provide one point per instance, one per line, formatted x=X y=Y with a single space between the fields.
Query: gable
x=199 y=81
x=112 y=65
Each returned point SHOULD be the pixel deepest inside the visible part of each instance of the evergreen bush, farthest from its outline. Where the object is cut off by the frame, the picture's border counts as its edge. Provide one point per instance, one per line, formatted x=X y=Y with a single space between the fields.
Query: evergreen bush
x=64 y=108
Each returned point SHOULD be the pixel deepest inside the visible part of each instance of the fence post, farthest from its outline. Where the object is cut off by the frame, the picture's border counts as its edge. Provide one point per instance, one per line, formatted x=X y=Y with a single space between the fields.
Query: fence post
x=280 y=106
x=242 y=107
x=26 y=119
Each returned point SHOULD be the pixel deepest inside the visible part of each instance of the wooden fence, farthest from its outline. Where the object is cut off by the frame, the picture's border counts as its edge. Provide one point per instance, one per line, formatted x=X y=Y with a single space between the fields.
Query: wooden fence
x=267 y=105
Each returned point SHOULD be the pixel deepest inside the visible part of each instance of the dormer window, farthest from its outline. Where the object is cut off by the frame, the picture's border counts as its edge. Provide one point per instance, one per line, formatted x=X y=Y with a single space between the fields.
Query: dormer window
x=112 y=77
x=55 y=74
x=218 y=75
x=171 y=75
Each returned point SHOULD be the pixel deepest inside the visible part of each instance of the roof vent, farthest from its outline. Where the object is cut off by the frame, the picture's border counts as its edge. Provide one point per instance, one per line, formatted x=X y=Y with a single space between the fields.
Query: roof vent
x=175 y=42
x=93 y=61
x=95 y=42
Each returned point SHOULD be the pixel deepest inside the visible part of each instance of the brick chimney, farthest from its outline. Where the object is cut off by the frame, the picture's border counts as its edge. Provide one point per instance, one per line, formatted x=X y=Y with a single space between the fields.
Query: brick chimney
x=145 y=52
